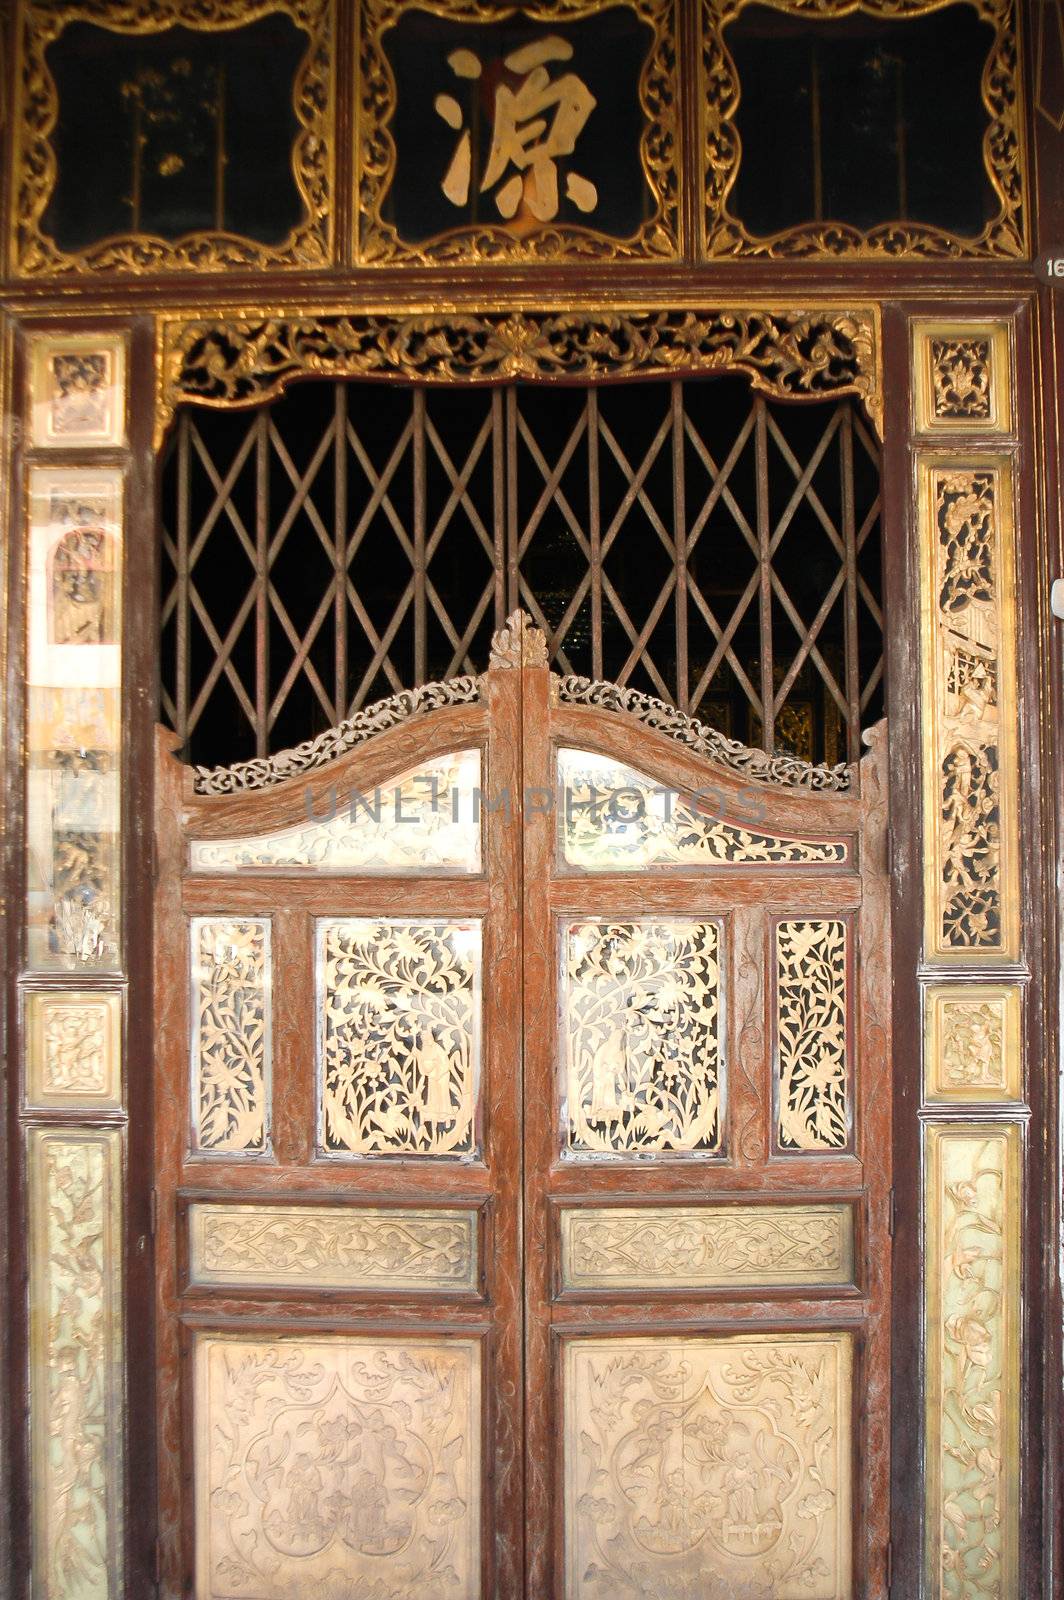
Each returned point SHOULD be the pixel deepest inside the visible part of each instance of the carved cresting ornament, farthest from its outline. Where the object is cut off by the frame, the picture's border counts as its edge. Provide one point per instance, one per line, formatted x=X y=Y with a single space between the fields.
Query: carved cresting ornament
x=519 y=644
x=245 y=357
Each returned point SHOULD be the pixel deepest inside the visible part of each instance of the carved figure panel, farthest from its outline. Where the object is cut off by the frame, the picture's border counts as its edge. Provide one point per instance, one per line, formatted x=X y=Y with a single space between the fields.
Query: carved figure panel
x=425 y=820
x=614 y=819
x=705 y=1247
x=231 y=1044
x=76 y=1387
x=812 y=1029
x=973 y=1333
x=963 y=377
x=972 y=1048
x=399 y=1019
x=642 y=1038
x=337 y=1466
x=333 y=1247
x=77 y=393
x=74 y=1044
x=708 y=1466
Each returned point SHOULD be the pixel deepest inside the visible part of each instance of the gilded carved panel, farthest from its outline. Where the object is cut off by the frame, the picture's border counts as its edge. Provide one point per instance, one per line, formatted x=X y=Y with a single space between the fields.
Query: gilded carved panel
x=231 y=989
x=970 y=775
x=425 y=820
x=77 y=1401
x=812 y=1034
x=972 y=1045
x=641 y=1021
x=399 y=1036
x=705 y=1466
x=77 y=390
x=74 y=1048
x=333 y=1247
x=972 y=1187
x=963 y=377
x=614 y=819
x=706 y=1247
x=337 y=1466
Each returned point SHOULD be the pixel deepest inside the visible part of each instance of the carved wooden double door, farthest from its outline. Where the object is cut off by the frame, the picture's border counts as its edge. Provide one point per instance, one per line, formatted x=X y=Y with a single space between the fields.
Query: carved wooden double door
x=522 y=1160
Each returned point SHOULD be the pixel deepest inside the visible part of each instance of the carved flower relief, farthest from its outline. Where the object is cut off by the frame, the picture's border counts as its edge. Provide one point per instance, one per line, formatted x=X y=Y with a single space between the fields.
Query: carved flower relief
x=960 y=371
x=231 y=1035
x=812 y=1034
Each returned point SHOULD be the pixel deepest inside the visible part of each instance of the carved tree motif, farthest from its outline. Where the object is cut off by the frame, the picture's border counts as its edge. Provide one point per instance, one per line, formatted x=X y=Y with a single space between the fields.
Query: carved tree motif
x=231 y=1035
x=812 y=1035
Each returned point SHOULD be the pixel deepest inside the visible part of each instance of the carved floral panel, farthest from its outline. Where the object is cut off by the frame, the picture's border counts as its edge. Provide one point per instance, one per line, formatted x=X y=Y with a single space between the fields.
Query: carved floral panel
x=340 y=1467
x=333 y=1247
x=399 y=1036
x=971 y=820
x=231 y=1043
x=614 y=819
x=972 y=1048
x=708 y=1466
x=963 y=377
x=705 y=1247
x=641 y=1024
x=74 y=1048
x=972 y=1200
x=812 y=1034
x=77 y=390
x=425 y=820
x=76 y=1387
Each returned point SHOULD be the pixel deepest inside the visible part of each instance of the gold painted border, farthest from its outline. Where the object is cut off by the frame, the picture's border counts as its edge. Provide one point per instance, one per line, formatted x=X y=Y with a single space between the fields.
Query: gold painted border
x=40 y=347
x=929 y=466
x=939 y=996
x=1004 y=148
x=310 y=244
x=378 y=243
x=37 y=1003
x=243 y=356
x=991 y=1446
x=1000 y=374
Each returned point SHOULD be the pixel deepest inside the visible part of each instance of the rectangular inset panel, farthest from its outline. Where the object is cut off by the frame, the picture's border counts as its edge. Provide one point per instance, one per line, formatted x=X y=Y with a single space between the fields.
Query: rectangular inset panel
x=614 y=819
x=972 y=1047
x=706 y=1247
x=811 y=1026
x=231 y=1044
x=77 y=390
x=73 y=733
x=398 y=1036
x=426 y=820
x=333 y=1247
x=963 y=377
x=74 y=1048
x=972 y=1210
x=341 y=1466
x=970 y=710
x=76 y=1388
x=709 y=1466
x=641 y=1037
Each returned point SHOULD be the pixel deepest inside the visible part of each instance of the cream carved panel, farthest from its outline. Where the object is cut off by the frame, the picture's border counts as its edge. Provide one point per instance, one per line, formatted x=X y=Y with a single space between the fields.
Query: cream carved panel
x=971 y=811
x=399 y=1036
x=76 y=1387
x=333 y=1247
x=812 y=1034
x=74 y=1048
x=346 y=1468
x=708 y=1466
x=972 y=1048
x=963 y=377
x=613 y=818
x=231 y=1040
x=706 y=1247
x=972 y=1178
x=641 y=1007
x=425 y=820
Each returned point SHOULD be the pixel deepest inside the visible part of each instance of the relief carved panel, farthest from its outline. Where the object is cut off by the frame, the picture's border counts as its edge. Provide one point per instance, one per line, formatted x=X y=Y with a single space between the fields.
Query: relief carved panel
x=963 y=377
x=231 y=1040
x=972 y=1048
x=812 y=1034
x=339 y=1467
x=73 y=1048
x=707 y=1466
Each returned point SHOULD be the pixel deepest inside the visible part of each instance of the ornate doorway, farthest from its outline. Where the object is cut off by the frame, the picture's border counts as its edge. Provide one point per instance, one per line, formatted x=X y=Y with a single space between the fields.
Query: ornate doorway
x=522 y=1126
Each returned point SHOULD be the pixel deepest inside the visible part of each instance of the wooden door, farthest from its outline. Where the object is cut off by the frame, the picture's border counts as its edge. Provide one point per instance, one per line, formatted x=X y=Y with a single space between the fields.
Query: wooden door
x=518 y=1066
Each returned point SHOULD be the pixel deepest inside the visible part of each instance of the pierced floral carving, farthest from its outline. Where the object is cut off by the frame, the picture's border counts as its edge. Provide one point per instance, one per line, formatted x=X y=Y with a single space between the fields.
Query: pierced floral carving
x=244 y=359
x=641 y=1028
x=266 y=771
x=338 y=1466
x=812 y=1035
x=399 y=1013
x=698 y=736
x=961 y=376
x=708 y=1466
x=613 y=818
x=231 y=984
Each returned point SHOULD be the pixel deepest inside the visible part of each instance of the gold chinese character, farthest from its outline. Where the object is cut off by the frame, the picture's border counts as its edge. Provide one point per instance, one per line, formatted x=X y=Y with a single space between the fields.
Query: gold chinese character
x=522 y=136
